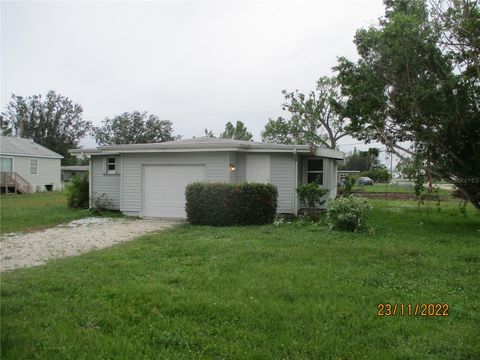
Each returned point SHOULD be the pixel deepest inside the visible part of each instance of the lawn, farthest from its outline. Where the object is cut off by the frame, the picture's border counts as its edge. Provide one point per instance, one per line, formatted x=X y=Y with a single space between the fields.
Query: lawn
x=277 y=291
x=394 y=187
x=35 y=211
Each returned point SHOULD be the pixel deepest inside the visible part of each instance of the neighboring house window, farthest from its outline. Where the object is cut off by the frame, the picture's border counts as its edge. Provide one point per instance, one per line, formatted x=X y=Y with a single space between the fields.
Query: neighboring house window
x=33 y=167
x=315 y=171
x=6 y=164
x=111 y=165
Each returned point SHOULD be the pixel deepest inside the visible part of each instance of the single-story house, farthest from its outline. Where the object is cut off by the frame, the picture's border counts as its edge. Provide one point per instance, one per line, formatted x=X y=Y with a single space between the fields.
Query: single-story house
x=26 y=166
x=342 y=174
x=72 y=170
x=149 y=180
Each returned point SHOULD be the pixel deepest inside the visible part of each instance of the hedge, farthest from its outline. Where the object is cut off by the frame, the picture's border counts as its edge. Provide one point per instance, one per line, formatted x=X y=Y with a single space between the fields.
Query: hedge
x=221 y=204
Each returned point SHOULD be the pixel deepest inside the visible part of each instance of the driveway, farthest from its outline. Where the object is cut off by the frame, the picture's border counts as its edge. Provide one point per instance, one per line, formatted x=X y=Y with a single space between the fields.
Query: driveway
x=74 y=238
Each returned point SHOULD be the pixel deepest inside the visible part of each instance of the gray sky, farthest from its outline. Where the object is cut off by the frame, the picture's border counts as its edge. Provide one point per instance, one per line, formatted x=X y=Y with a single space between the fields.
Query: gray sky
x=196 y=63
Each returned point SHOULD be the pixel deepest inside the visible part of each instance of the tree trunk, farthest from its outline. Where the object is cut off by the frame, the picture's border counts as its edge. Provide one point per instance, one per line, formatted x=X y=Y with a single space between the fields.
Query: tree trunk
x=472 y=191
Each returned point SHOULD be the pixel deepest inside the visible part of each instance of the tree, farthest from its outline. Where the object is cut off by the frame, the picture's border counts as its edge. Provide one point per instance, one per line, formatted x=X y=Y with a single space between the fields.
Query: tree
x=237 y=132
x=405 y=87
x=133 y=128
x=53 y=121
x=208 y=133
x=362 y=160
x=314 y=117
x=408 y=168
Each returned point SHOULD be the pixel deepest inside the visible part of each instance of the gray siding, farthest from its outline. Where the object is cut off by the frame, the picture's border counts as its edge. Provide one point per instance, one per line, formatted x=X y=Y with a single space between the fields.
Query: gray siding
x=216 y=171
x=241 y=168
x=330 y=177
x=282 y=176
x=103 y=183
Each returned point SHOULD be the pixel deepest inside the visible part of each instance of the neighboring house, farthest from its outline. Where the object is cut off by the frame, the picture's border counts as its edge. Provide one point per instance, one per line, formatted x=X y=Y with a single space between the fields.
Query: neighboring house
x=342 y=174
x=69 y=171
x=149 y=180
x=26 y=166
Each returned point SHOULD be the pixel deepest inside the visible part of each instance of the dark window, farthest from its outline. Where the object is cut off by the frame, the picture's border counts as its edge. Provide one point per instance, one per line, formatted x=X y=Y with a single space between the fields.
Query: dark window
x=111 y=165
x=315 y=165
x=315 y=171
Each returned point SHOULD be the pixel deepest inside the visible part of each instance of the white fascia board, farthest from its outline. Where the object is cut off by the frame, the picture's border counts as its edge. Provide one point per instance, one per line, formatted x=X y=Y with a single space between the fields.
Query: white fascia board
x=34 y=156
x=330 y=153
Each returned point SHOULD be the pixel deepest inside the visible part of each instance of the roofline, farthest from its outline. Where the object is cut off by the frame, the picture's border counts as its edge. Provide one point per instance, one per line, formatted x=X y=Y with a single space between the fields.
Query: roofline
x=205 y=147
x=33 y=155
x=180 y=145
x=326 y=153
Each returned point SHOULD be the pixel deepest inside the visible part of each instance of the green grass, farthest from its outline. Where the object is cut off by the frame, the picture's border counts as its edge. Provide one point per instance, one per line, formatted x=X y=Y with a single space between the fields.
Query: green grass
x=270 y=292
x=35 y=211
x=397 y=188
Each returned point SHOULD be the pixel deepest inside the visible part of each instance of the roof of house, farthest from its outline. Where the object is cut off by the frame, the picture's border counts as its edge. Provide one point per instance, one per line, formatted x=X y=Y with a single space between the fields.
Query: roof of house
x=210 y=144
x=16 y=146
x=75 y=168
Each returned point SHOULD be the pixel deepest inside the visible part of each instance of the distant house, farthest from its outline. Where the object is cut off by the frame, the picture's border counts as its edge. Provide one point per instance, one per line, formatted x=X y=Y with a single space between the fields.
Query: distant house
x=149 y=180
x=26 y=166
x=342 y=174
x=69 y=171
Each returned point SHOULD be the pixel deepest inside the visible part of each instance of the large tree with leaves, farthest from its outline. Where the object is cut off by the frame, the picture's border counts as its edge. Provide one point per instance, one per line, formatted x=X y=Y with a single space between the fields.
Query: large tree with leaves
x=237 y=132
x=314 y=117
x=405 y=88
x=133 y=128
x=53 y=121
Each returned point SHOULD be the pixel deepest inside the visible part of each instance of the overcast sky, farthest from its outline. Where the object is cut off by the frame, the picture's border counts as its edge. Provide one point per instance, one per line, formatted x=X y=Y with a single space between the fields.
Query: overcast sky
x=196 y=63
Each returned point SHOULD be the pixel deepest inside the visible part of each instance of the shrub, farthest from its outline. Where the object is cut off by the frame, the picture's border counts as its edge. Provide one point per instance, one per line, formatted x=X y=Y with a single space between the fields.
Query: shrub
x=77 y=191
x=311 y=194
x=100 y=203
x=220 y=204
x=348 y=213
x=346 y=187
x=381 y=175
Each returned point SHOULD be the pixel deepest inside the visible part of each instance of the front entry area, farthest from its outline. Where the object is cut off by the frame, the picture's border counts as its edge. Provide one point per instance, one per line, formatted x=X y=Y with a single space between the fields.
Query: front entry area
x=164 y=188
x=258 y=168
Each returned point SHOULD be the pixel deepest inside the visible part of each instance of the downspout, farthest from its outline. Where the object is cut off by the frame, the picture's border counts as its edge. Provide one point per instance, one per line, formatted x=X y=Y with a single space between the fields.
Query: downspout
x=89 y=183
x=295 y=180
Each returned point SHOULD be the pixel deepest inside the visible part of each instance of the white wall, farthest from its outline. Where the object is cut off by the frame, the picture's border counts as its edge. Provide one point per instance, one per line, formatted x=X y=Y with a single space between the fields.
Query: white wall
x=48 y=171
x=103 y=183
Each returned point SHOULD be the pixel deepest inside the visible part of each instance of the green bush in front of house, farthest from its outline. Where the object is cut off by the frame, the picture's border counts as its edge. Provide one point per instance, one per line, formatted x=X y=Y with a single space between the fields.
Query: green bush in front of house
x=77 y=191
x=379 y=174
x=311 y=194
x=348 y=213
x=220 y=204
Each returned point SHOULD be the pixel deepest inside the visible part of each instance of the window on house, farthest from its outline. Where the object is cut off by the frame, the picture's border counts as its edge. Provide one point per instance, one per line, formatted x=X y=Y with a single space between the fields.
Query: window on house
x=6 y=164
x=315 y=171
x=33 y=167
x=111 y=165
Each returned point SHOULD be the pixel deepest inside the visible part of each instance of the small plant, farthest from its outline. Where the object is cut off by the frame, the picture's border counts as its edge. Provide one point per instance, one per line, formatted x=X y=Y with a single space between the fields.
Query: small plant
x=77 y=192
x=100 y=203
x=348 y=213
x=311 y=194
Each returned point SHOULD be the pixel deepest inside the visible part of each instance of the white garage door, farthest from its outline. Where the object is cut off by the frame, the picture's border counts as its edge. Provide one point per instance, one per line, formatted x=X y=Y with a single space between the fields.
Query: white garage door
x=164 y=188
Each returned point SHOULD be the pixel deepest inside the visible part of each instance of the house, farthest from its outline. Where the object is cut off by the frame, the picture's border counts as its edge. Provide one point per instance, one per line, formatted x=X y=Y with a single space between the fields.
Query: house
x=69 y=171
x=26 y=166
x=149 y=180
x=342 y=174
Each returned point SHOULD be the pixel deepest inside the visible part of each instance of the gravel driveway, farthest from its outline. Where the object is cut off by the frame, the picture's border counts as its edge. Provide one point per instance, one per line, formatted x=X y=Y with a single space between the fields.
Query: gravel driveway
x=74 y=238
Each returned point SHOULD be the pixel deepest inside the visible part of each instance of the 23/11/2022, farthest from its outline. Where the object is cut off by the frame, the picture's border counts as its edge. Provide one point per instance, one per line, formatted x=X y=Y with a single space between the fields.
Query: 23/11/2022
x=424 y=310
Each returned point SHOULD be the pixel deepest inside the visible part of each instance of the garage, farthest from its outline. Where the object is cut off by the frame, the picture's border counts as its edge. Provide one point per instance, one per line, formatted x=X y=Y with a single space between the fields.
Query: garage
x=164 y=188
